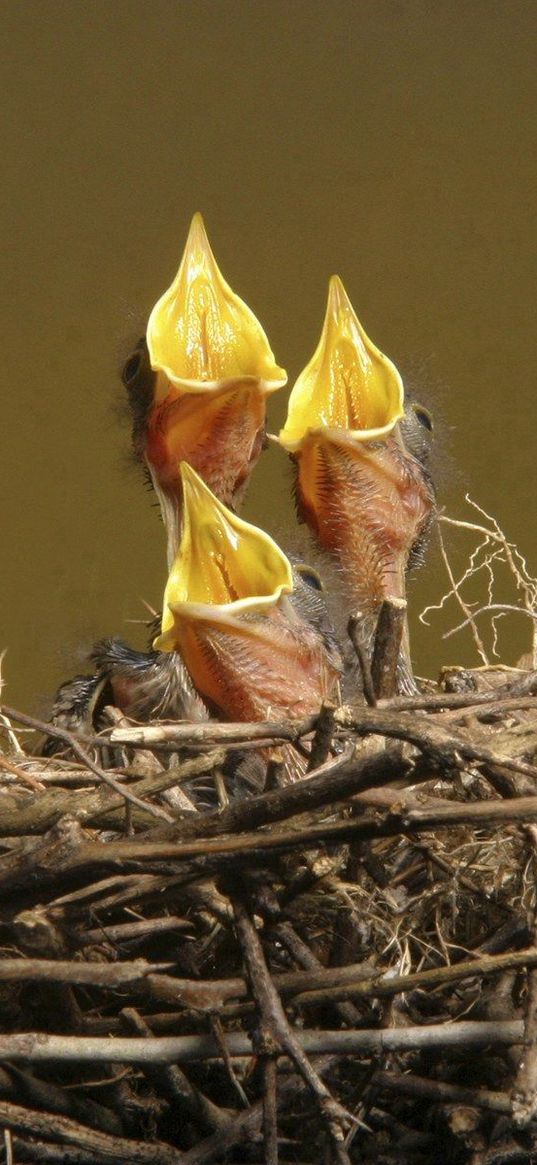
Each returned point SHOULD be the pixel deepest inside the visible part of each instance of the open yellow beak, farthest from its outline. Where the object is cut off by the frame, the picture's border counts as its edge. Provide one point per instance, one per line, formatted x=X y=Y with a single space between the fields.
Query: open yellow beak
x=224 y=566
x=200 y=333
x=349 y=386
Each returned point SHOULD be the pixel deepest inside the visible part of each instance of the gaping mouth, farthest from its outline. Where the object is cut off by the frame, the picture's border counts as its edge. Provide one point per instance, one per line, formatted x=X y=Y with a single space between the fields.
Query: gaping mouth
x=200 y=333
x=349 y=386
x=224 y=567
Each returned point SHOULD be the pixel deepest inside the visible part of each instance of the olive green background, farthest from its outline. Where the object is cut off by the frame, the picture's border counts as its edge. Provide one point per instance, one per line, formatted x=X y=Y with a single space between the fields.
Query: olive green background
x=393 y=143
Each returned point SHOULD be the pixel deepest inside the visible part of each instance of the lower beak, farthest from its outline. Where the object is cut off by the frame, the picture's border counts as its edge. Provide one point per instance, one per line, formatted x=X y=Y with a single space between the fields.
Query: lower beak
x=250 y=666
x=220 y=431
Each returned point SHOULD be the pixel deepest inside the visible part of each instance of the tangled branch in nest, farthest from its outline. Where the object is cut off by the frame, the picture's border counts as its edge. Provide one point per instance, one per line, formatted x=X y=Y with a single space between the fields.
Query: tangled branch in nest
x=341 y=969
x=491 y=551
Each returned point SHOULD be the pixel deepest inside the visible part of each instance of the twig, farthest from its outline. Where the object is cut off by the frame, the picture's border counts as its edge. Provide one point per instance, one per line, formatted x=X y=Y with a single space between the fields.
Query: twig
x=8 y=1147
x=54 y=1127
x=104 y=776
x=127 y=932
x=322 y=740
x=107 y=975
x=355 y=635
x=101 y=806
x=270 y=1108
x=246 y=1126
x=25 y=778
x=274 y=1019
x=219 y=1035
x=525 y=1086
x=193 y=1103
x=524 y=685
x=506 y=608
x=429 y=736
x=335 y=780
x=389 y=631
x=456 y=591
x=217 y=853
x=439 y=1092
x=41 y=1047
x=206 y=734
x=304 y=957
x=387 y=984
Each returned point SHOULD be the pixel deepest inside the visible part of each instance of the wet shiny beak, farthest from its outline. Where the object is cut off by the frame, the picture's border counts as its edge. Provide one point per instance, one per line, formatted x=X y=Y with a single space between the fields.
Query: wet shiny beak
x=349 y=387
x=365 y=497
x=210 y=369
x=200 y=333
x=227 y=612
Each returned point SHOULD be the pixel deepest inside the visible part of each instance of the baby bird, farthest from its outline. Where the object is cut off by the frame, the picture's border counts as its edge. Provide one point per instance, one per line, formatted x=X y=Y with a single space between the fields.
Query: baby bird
x=362 y=483
x=253 y=639
x=198 y=384
x=245 y=634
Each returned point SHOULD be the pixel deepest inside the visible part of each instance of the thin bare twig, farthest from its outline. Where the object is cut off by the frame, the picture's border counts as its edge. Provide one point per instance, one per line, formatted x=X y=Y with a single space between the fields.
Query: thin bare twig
x=274 y=1019
x=80 y=752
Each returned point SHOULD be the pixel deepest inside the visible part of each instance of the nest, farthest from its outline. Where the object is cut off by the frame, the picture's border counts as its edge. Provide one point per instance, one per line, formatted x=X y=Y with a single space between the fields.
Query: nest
x=339 y=969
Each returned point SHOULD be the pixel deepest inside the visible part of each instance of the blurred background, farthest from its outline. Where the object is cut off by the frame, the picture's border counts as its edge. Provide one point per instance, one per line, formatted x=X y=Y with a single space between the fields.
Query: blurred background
x=391 y=142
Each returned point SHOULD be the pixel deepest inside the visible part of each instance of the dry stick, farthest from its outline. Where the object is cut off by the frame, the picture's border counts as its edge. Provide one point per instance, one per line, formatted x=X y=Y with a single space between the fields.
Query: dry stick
x=63 y=734
x=193 y=1103
x=54 y=1127
x=214 y=854
x=270 y=1107
x=333 y=782
x=430 y=737
x=354 y=631
x=45 y=1153
x=16 y=1084
x=389 y=632
x=322 y=741
x=331 y=984
x=50 y=858
x=486 y=813
x=25 y=778
x=275 y=1023
x=36 y=814
x=247 y=1125
x=209 y=733
x=525 y=1085
x=490 y=711
x=439 y=1092
x=386 y=984
x=291 y=731
x=211 y=994
x=304 y=957
x=107 y=975
x=526 y=685
x=206 y=734
x=455 y=590
x=40 y=1047
x=219 y=1035
x=133 y=931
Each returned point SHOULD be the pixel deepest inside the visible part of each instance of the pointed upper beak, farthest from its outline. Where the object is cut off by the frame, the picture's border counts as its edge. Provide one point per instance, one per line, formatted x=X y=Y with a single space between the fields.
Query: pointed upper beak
x=224 y=567
x=349 y=387
x=201 y=334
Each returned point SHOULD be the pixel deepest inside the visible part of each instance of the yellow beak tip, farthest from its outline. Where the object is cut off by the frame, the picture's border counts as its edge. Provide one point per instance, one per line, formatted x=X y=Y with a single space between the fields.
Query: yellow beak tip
x=349 y=385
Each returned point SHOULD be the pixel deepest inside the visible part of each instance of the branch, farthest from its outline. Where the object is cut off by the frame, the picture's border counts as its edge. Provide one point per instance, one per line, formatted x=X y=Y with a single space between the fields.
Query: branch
x=39 y=1047
x=102 y=774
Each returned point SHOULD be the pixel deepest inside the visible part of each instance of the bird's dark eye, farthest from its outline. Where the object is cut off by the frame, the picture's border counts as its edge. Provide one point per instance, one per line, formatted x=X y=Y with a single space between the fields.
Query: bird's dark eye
x=424 y=417
x=132 y=368
x=310 y=577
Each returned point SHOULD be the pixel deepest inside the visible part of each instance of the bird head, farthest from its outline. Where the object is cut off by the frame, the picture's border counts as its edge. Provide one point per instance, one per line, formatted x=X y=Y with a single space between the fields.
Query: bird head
x=228 y=610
